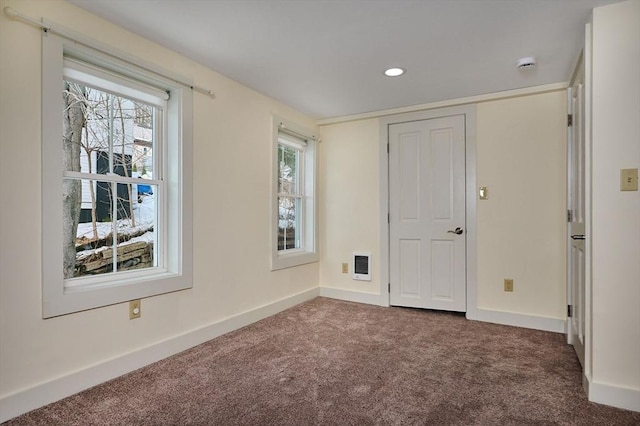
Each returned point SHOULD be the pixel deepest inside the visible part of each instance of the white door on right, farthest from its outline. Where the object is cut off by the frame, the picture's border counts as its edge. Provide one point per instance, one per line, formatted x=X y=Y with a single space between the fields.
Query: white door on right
x=576 y=201
x=427 y=239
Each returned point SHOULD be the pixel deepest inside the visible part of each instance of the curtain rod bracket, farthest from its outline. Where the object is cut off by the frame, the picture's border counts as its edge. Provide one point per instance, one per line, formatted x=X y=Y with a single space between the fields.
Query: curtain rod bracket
x=298 y=134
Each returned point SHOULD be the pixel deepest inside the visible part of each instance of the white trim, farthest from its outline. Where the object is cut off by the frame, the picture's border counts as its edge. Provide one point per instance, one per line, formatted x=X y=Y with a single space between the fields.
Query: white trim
x=383 y=152
x=469 y=111
x=585 y=382
x=109 y=177
x=555 y=325
x=471 y=214
x=615 y=396
x=351 y=296
x=588 y=209
x=44 y=393
x=448 y=103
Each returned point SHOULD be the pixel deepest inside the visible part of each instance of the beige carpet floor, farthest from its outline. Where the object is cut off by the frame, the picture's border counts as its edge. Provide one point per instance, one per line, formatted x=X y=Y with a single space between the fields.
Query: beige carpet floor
x=328 y=362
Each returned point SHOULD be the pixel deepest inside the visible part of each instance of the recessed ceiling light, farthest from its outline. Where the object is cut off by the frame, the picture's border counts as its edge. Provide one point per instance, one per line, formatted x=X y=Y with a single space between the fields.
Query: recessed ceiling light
x=394 y=72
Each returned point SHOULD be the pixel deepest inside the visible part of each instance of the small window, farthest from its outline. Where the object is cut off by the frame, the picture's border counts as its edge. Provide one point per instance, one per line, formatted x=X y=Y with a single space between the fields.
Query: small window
x=116 y=198
x=294 y=197
x=290 y=193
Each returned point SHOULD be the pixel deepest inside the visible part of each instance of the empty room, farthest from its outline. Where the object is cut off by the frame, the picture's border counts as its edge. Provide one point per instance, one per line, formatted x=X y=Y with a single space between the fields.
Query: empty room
x=318 y=212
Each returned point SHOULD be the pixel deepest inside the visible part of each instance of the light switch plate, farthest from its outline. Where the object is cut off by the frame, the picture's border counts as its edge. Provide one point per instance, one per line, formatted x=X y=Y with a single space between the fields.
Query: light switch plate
x=628 y=179
x=484 y=193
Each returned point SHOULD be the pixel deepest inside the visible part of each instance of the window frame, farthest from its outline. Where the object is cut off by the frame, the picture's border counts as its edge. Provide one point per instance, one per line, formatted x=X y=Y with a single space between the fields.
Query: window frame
x=175 y=271
x=307 y=184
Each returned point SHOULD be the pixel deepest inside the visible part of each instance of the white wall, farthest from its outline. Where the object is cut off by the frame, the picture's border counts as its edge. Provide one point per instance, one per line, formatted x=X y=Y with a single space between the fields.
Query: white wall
x=349 y=202
x=615 y=214
x=521 y=144
x=231 y=243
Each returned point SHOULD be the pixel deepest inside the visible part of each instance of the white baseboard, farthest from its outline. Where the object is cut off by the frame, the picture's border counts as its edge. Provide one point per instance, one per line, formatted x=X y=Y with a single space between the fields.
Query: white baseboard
x=351 y=295
x=616 y=396
x=35 y=397
x=555 y=325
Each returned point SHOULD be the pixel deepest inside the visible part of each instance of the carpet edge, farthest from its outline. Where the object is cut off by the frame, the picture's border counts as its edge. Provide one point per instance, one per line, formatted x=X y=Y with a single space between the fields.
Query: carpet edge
x=44 y=393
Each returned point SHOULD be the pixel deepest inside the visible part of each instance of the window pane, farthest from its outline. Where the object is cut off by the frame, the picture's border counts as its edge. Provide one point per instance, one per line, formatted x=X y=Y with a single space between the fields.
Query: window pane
x=90 y=234
x=289 y=214
x=288 y=162
x=105 y=133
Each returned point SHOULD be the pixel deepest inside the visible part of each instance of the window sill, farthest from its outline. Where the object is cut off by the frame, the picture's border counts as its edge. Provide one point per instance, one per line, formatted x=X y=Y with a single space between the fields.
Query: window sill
x=81 y=298
x=290 y=260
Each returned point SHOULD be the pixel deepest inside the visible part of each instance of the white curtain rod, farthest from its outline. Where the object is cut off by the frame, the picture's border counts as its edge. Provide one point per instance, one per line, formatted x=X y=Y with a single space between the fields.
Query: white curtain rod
x=285 y=129
x=14 y=14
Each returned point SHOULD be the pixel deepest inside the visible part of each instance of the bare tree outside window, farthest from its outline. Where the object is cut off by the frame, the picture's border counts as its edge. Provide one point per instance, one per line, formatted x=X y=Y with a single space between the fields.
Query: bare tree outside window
x=73 y=122
x=143 y=115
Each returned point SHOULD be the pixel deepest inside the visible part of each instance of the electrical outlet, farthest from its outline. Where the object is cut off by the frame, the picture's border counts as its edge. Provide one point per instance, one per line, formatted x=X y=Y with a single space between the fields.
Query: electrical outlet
x=628 y=179
x=345 y=268
x=135 y=310
x=508 y=284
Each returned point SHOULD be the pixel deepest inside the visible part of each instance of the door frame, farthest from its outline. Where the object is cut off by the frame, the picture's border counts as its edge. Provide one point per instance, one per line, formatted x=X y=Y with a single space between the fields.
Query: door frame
x=469 y=112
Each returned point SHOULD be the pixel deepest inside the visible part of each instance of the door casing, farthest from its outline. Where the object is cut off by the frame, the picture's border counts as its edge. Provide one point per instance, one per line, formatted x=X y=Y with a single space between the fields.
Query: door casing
x=469 y=112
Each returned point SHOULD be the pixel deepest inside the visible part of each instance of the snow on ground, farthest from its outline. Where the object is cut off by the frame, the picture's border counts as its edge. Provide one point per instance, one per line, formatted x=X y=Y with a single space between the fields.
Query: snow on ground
x=123 y=227
x=144 y=214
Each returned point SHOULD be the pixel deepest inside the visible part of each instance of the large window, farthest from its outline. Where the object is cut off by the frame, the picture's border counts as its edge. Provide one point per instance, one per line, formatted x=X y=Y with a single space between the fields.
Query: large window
x=294 y=235
x=116 y=180
x=109 y=191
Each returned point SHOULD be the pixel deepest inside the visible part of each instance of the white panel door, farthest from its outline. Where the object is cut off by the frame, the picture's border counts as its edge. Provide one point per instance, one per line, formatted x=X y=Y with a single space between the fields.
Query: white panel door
x=577 y=181
x=427 y=242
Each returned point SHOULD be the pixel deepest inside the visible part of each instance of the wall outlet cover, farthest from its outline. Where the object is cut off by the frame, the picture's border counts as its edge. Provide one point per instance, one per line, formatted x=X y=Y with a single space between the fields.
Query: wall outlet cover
x=135 y=310
x=508 y=284
x=628 y=179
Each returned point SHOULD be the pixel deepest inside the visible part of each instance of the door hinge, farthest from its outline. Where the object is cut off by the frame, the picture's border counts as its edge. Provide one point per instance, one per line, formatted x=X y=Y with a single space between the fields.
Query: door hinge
x=569 y=120
x=388 y=218
x=569 y=311
x=387 y=148
x=389 y=287
x=569 y=216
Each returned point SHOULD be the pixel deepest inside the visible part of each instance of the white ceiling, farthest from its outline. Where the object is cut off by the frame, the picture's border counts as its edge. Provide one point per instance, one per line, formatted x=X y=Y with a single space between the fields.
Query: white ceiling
x=326 y=57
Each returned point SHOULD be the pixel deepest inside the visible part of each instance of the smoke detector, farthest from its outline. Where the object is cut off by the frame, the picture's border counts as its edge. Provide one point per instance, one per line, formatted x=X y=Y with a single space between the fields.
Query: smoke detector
x=528 y=62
